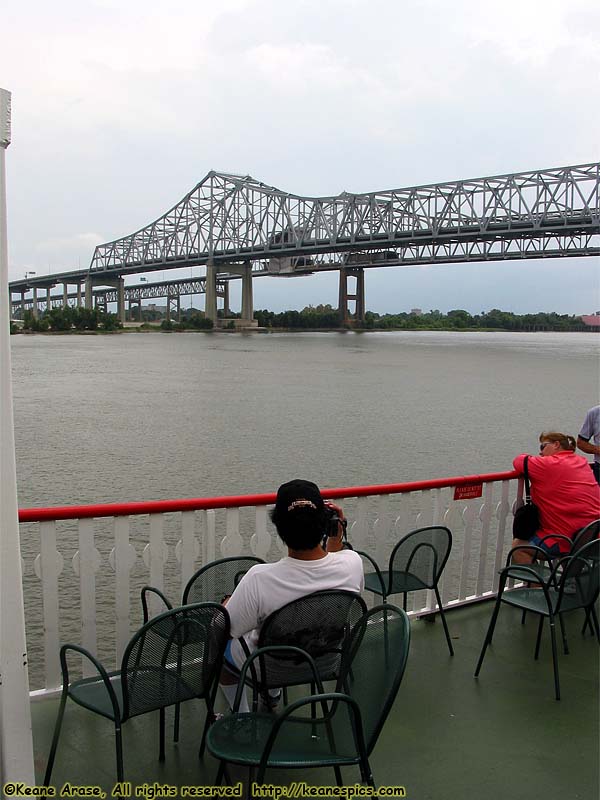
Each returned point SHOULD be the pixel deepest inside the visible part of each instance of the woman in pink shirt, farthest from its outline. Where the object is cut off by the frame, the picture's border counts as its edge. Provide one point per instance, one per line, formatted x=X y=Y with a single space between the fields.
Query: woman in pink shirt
x=564 y=490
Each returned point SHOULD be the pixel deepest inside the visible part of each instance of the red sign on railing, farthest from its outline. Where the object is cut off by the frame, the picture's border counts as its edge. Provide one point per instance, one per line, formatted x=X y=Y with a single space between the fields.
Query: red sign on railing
x=468 y=491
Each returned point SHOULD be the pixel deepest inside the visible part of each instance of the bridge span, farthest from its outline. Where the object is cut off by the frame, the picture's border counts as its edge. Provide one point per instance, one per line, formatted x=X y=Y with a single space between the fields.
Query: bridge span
x=236 y=227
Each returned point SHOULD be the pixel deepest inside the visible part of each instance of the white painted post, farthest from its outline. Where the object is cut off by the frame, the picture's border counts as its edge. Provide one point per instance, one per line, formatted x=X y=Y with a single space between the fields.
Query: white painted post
x=16 y=744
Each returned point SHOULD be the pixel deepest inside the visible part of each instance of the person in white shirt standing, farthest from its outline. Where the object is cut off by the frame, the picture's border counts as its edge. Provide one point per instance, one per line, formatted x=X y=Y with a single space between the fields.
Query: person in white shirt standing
x=591 y=430
x=302 y=520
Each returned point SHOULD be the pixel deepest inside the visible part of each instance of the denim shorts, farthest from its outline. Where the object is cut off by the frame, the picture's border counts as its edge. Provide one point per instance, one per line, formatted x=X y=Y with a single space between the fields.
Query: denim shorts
x=229 y=657
x=552 y=550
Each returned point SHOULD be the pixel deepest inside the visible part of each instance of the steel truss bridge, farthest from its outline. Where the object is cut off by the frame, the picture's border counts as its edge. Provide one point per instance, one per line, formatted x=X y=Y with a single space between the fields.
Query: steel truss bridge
x=237 y=227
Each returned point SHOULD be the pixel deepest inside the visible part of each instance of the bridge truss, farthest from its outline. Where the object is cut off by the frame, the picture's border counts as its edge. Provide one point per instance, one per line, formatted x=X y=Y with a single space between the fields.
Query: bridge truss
x=238 y=227
x=231 y=219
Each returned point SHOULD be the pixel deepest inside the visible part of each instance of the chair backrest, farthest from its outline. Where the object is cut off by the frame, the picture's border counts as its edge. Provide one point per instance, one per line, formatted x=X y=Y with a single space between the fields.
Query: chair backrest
x=422 y=553
x=580 y=579
x=214 y=581
x=175 y=656
x=585 y=535
x=320 y=624
x=374 y=664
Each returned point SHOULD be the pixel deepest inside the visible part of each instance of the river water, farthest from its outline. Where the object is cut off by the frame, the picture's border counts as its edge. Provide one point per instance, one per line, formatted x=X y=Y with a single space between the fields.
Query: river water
x=158 y=416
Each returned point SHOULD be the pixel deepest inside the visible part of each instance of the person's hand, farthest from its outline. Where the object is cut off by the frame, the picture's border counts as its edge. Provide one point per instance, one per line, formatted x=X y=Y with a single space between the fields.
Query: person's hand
x=335 y=543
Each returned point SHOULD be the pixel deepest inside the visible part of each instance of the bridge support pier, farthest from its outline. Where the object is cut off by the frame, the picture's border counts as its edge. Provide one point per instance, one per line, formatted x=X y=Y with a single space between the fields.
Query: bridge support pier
x=346 y=316
x=88 y=293
x=48 y=300
x=120 y=299
x=173 y=307
x=247 y=304
x=34 y=307
x=210 y=298
x=65 y=295
x=223 y=291
x=78 y=295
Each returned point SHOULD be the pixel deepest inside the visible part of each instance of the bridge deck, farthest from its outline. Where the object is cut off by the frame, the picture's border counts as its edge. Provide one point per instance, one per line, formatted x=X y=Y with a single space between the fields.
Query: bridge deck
x=448 y=737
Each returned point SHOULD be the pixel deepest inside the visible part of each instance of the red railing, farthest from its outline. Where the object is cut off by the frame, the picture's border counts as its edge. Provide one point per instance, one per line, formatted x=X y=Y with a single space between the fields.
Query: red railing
x=244 y=500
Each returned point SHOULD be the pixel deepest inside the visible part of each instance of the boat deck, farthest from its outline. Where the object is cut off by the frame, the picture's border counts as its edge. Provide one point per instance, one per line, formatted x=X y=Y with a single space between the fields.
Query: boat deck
x=448 y=736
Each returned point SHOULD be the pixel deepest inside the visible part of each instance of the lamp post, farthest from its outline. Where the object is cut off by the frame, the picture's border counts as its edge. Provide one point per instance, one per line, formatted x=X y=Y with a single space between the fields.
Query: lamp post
x=16 y=746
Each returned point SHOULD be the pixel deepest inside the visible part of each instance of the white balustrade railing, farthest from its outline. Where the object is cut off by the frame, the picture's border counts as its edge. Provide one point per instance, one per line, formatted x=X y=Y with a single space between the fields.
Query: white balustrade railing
x=83 y=585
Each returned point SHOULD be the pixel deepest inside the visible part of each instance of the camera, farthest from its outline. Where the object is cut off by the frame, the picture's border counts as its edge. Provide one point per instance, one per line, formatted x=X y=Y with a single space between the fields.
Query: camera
x=333 y=523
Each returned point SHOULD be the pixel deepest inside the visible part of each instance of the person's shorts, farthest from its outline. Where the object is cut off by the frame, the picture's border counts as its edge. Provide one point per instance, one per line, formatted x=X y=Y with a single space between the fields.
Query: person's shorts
x=552 y=550
x=229 y=657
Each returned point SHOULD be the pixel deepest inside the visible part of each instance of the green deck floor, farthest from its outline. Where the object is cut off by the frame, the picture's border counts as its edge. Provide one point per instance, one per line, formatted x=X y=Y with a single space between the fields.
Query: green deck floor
x=448 y=736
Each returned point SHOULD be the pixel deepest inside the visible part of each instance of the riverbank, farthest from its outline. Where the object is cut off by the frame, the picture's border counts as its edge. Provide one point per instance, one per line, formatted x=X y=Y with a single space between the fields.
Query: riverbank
x=265 y=330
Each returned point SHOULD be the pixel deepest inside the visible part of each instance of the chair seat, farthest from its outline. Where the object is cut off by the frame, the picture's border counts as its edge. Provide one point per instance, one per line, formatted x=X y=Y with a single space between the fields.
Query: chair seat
x=400 y=582
x=241 y=739
x=534 y=600
x=92 y=693
x=158 y=687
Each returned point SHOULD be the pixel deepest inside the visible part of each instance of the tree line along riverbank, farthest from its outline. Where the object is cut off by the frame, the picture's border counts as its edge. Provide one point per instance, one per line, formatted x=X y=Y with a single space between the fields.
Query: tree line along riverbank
x=321 y=317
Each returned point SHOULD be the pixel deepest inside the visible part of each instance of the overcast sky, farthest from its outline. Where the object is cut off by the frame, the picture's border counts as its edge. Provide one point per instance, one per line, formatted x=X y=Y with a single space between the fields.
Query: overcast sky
x=120 y=108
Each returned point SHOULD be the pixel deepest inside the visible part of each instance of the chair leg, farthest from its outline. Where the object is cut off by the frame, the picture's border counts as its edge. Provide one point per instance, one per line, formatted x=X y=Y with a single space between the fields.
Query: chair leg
x=176 y=723
x=177 y=705
x=591 y=621
x=595 y=621
x=220 y=773
x=119 y=749
x=490 y=631
x=554 y=657
x=444 y=623
x=366 y=772
x=57 y=727
x=539 y=637
x=586 y=622
x=564 y=635
x=161 y=735
x=338 y=776
x=210 y=715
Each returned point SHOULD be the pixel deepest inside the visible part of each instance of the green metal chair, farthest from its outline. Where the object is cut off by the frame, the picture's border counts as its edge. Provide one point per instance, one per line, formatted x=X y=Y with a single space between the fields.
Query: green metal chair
x=416 y=563
x=345 y=729
x=176 y=656
x=209 y=584
x=544 y=564
x=320 y=624
x=573 y=584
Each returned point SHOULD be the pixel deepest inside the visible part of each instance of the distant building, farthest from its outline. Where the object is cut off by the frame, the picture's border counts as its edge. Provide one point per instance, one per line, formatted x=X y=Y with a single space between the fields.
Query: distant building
x=416 y=311
x=591 y=321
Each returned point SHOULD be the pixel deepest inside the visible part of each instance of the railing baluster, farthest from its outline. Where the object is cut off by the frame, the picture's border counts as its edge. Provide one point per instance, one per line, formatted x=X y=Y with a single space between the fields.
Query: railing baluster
x=381 y=529
x=360 y=526
x=502 y=513
x=48 y=566
x=155 y=555
x=86 y=563
x=232 y=544
x=210 y=536
x=436 y=514
x=187 y=547
x=469 y=515
x=260 y=541
x=486 y=517
x=122 y=559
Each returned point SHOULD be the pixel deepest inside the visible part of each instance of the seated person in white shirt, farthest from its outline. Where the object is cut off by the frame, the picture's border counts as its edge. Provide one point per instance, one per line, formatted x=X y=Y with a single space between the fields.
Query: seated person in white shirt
x=301 y=521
